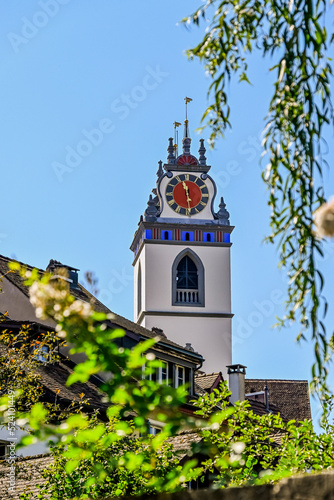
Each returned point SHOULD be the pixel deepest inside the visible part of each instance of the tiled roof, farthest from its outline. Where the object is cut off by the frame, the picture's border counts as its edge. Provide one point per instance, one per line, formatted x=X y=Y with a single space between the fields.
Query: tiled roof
x=259 y=408
x=53 y=379
x=198 y=389
x=182 y=442
x=28 y=476
x=81 y=293
x=208 y=381
x=291 y=397
x=205 y=382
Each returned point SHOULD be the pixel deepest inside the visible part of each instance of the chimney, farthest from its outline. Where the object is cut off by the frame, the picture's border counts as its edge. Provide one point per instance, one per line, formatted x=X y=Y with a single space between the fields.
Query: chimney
x=266 y=396
x=236 y=382
x=158 y=331
x=55 y=265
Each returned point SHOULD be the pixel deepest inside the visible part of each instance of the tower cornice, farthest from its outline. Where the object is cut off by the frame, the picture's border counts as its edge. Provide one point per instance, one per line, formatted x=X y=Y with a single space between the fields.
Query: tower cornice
x=140 y=237
x=173 y=167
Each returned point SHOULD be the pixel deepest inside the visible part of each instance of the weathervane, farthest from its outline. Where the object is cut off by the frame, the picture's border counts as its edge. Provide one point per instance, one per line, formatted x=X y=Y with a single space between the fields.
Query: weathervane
x=186 y=129
x=187 y=99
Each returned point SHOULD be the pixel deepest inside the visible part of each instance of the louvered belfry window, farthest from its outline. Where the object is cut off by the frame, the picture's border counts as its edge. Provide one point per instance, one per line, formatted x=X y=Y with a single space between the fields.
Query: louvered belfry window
x=187 y=275
x=188 y=280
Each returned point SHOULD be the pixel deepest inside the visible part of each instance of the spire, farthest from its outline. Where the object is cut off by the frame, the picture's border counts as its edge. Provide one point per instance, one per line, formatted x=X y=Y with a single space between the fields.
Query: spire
x=170 y=149
x=202 y=150
x=186 y=141
x=152 y=210
x=186 y=129
x=223 y=214
x=160 y=171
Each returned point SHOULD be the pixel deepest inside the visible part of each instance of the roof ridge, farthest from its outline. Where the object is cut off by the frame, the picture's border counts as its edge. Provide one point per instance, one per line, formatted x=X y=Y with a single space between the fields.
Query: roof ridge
x=207 y=374
x=274 y=380
x=95 y=299
x=29 y=457
x=12 y=259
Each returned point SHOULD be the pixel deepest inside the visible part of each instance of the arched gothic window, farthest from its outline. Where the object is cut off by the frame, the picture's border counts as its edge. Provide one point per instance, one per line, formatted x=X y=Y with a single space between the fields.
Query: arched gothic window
x=186 y=274
x=188 y=280
x=139 y=290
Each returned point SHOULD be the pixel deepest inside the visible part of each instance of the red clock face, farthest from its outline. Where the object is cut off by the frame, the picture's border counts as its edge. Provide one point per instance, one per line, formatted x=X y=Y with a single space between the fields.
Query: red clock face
x=189 y=198
x=187 y=194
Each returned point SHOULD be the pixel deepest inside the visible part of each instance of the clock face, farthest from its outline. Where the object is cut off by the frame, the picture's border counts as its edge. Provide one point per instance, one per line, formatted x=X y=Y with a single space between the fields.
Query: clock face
x=187 y=194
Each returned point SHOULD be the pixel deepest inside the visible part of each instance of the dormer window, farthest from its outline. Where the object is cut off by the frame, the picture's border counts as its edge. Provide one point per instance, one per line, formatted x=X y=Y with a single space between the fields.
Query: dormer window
x=3 y=448
x=42 y=354
x=160 y=374
x=155 y=426
x=179 y=375
x=163 y=373
x=154 y=430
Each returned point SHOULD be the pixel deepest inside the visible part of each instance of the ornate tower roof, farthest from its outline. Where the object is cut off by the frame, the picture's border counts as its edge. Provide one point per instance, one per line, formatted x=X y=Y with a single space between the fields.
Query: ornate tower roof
x=185 y=193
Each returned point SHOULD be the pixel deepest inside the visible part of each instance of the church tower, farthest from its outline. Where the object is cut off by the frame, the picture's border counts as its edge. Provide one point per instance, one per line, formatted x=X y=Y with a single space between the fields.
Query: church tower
x=182 y=272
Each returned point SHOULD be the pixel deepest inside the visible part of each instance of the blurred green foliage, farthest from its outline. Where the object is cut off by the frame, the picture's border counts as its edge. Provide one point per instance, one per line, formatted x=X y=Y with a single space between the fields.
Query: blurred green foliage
x=95 y=457
x=293 y=39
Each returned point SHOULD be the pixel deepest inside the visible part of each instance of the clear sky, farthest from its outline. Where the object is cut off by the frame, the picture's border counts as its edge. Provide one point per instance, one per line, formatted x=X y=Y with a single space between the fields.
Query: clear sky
x=70 y=67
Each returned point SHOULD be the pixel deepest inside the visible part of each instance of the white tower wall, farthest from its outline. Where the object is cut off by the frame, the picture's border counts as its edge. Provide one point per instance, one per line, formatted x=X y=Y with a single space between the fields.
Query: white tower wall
x=209 y=336
x=207 y=327
x=157 y=277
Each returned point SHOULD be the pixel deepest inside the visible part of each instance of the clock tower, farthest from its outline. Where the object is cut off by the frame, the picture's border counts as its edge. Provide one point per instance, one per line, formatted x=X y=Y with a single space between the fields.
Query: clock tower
x=182 y=272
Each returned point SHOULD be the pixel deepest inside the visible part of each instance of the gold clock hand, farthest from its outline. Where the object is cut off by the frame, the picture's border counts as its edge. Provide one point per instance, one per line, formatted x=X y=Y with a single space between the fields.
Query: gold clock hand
x=185 y=187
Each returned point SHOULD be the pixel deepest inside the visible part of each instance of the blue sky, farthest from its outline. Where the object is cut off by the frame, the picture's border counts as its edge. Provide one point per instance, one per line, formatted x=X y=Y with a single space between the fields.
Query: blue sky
x=69 y=68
